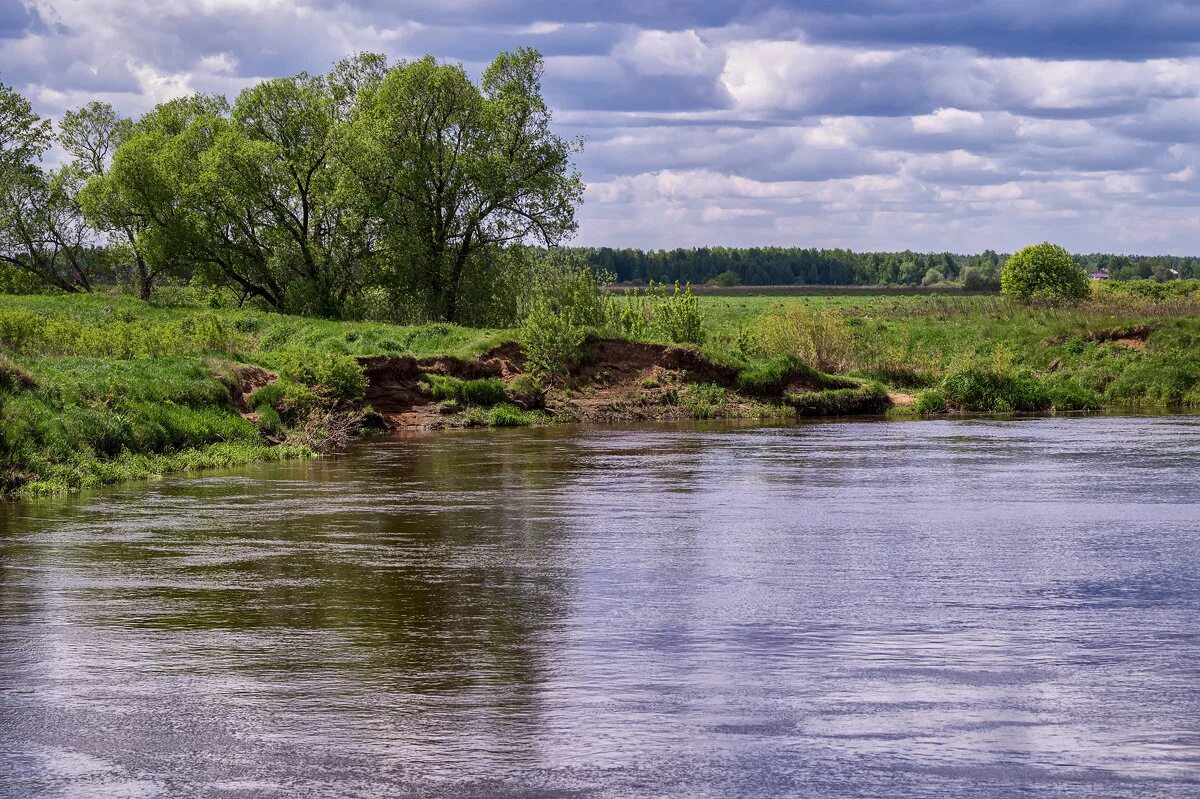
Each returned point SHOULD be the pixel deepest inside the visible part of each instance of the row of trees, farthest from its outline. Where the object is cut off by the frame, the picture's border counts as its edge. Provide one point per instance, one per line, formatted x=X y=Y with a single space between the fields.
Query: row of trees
x=307 y=193
x=773 y=266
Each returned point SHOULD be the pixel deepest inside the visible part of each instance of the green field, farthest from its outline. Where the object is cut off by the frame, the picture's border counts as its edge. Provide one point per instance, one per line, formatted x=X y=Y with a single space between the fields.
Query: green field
x=98 y=388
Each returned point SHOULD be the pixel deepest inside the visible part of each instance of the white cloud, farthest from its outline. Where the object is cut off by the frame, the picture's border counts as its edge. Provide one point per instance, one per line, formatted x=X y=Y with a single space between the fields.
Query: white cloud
x=669 y=53
x=947 y=120
x=747 y=133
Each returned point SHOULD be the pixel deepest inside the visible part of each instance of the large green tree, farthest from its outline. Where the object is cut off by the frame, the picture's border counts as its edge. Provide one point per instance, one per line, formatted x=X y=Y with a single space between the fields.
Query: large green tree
x=42 y=230
x=311 y=189
x=141 y=176
x=452 y=171
x=93 y=134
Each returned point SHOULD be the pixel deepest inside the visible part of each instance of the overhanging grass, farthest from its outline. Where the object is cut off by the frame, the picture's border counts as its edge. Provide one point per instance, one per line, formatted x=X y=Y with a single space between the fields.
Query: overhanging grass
x=90 y=473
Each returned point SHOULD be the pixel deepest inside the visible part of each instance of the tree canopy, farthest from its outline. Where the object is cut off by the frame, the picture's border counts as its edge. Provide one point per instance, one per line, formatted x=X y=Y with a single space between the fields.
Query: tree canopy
x=1043 y=272
x=306 y=192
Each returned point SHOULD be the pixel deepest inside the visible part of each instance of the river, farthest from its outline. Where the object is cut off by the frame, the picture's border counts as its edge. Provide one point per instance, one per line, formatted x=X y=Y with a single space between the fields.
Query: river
x=851 y=609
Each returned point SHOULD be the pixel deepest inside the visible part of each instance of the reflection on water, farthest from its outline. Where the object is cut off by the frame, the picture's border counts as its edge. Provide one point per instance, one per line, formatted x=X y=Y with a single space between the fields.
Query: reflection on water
x=915 y=609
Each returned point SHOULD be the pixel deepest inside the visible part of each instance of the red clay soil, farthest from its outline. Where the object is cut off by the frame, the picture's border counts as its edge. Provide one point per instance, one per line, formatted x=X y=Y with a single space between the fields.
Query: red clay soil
x=393 y=382
x=631 y=381
x=619 y=379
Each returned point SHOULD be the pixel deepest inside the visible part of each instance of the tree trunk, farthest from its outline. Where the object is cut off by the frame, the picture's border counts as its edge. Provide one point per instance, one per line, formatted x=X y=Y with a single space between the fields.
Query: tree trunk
x=145 y=278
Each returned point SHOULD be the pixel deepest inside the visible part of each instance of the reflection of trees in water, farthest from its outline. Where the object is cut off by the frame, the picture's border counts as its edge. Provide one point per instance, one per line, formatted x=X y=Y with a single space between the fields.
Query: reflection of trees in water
x=432 y=569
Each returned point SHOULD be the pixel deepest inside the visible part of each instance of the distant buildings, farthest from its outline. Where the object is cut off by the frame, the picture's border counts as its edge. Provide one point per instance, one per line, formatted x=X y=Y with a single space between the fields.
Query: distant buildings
x=1100 y=274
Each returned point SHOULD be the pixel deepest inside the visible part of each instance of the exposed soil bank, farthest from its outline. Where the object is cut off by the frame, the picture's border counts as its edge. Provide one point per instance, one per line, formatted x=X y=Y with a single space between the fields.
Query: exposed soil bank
x=616 y=381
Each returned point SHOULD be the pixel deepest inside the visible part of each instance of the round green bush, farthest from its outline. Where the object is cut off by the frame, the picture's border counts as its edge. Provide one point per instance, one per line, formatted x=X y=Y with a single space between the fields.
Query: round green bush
x=1043 y=273
x=930 y=401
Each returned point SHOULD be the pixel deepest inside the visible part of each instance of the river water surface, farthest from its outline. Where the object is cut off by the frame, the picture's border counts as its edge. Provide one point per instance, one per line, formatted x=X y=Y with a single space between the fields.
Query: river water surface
x=950 y=608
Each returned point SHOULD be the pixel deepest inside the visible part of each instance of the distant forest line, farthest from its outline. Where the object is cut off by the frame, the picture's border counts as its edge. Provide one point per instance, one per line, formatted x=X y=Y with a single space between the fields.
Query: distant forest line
x=787 y=266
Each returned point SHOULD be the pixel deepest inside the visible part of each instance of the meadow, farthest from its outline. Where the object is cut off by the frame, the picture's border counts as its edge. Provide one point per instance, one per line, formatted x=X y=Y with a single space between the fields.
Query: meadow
x=98 y=388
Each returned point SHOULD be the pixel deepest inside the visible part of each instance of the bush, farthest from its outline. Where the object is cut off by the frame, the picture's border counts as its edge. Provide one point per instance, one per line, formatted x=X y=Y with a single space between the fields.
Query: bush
x=932 y=277
x=1067 y=395
x=869 y=399
x=483 y=392
x=290 y=402
x=727 y=279
x=527 y=392
x=561 y=304
x=930 y=401
x=506 y=415
x=332 y=375
x=773 y=376
x=819 y=336
x=1167 y=379
x=552 y=339
x=655 y=313
x=988 y=390
x=1043 y=273
x=974 y=279
x=19 y=281
x=704 y=400
x=13 y=377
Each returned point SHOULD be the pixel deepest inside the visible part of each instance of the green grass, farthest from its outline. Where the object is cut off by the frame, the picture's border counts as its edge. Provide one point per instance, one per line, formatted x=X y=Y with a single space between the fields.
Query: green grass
x=96 y=388
x=101 y=388
x=82 y=422
x=123 y=327
x=863 y=400
x=482 y=392
x=916 y=342
x=141 y=466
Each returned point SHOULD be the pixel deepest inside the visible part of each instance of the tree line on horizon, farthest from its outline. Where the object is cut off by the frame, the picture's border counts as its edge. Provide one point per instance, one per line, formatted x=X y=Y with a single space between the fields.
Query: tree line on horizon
x=810 y=266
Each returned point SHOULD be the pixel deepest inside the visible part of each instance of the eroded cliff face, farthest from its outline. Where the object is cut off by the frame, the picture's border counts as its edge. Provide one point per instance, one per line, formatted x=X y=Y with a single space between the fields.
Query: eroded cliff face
x=617 y=380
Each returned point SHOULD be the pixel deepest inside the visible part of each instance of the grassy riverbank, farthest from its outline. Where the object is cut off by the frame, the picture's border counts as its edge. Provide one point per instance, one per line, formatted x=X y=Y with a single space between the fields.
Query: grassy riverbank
x=95 y=389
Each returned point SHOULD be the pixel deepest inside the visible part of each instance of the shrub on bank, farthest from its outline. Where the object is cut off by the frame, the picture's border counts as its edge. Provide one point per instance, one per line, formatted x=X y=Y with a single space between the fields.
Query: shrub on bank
x=552 y=339
x=656 y=313
x=483 y=392
x=288 y=401
x=508 y=415
x=819 y=336
x=704 y=400
x=332 y=375
x=868 y=399
x=989 y=390
x=1043 y=273
x=772 y=376
x=930 y=401
x=1158 y=379
x=562 y=305
x=986 y=390
x=526 y=392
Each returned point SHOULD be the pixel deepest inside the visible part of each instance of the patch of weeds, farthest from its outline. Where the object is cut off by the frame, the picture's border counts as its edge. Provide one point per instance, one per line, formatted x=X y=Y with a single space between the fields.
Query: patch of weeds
x=483 y=392
x=869 y=399
x=930 y=401
x=508 y=415
x=704 y=400
x=527 y=392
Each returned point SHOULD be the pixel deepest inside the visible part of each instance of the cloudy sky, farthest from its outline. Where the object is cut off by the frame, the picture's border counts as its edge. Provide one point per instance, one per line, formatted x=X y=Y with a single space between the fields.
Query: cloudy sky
x=871 y=124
